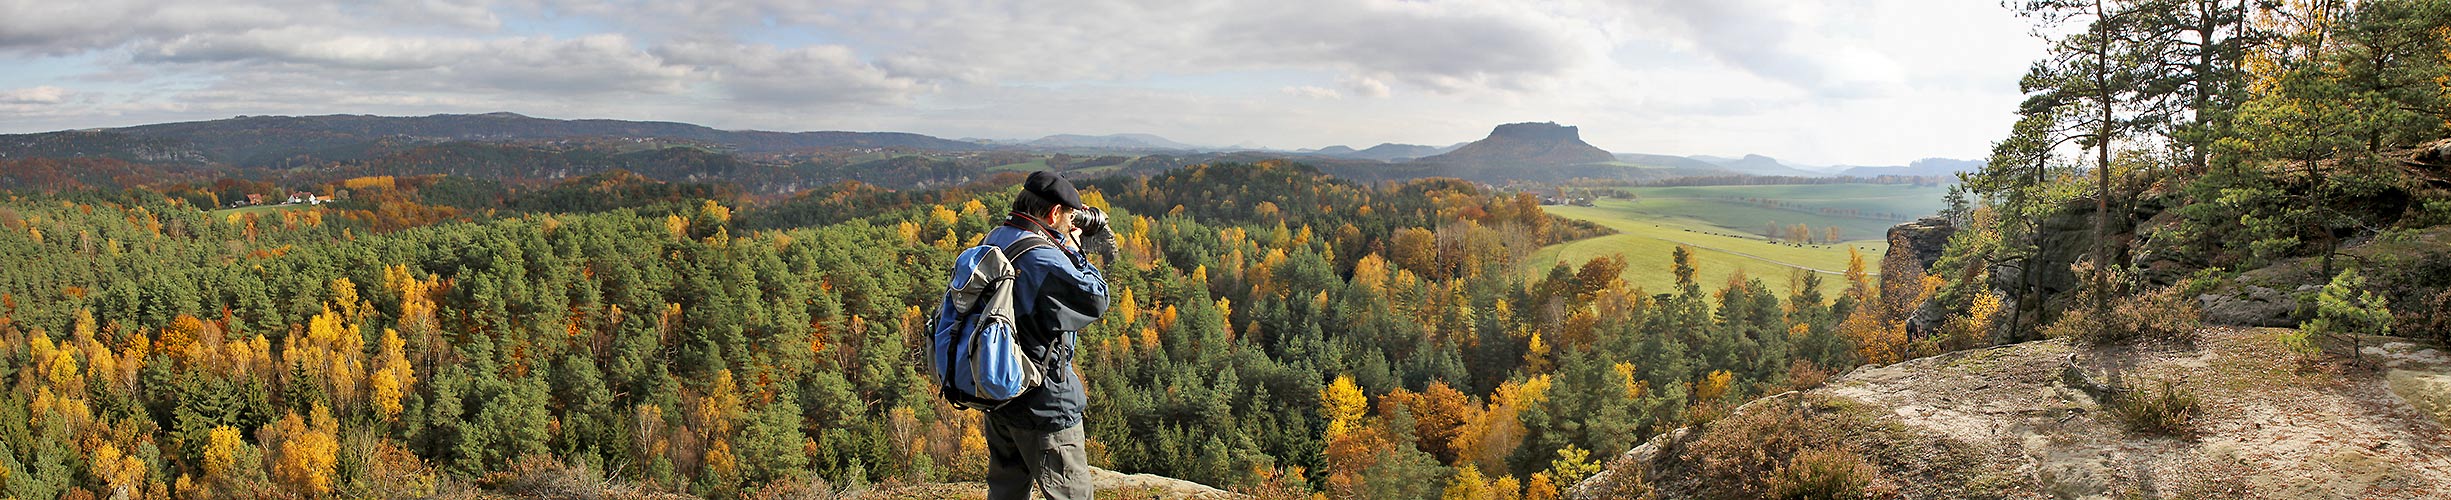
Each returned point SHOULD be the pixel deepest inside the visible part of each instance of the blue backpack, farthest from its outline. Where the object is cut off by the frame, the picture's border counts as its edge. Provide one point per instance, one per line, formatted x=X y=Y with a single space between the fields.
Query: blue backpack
x=974 y=354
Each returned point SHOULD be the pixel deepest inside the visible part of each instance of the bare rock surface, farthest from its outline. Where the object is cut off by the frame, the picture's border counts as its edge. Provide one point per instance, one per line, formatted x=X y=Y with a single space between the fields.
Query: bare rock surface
x=2030 y=421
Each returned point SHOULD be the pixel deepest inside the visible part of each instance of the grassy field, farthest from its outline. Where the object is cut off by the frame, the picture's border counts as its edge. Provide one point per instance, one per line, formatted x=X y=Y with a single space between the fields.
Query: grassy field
x=1724 y=206
x=1724 y=231
x=1030 y=166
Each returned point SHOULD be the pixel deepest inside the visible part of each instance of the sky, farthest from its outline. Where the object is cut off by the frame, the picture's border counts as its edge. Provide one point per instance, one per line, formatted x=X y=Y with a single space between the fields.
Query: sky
x=1861 y=82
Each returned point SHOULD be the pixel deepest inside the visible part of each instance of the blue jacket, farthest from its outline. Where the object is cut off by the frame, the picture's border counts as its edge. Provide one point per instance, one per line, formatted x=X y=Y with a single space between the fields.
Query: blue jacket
x=1056 y=293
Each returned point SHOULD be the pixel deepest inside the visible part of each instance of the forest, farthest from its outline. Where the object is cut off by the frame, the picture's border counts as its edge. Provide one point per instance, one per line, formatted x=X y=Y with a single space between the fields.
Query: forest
x=1277 y=330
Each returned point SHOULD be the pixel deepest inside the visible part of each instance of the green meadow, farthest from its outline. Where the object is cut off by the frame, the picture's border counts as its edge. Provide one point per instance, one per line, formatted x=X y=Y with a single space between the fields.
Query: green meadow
x=1725 y=231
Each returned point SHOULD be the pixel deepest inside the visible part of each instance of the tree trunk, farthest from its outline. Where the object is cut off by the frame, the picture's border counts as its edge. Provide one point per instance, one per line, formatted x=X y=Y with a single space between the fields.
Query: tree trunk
x=2102 y=146
x=2208 y=19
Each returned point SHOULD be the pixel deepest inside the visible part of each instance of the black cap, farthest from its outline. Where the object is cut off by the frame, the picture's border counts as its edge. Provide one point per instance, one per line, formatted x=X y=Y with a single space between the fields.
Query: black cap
x=1047 y=185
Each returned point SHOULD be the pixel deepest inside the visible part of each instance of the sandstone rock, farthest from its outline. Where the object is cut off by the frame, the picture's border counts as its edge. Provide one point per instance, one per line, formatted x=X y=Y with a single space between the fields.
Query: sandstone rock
x=2254 y=305
x=1926 y=237
x=2033 y=420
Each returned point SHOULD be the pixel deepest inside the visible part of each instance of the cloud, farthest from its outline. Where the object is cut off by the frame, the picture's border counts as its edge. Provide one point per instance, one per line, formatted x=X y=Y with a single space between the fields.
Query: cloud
x=771 y=75
x=1365 y=86
x=1857 y=83
x=1774 y=40
x=34 y=95
x=1312 y=92
x=44 y=27
x=593 y=63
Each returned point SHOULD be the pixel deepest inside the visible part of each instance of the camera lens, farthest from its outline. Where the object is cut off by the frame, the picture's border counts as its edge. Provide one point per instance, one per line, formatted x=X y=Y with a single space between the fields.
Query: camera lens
x=1091 y=221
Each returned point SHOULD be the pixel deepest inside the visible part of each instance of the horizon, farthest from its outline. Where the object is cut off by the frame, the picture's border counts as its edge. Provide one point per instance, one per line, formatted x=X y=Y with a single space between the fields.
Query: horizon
x=1881 y=83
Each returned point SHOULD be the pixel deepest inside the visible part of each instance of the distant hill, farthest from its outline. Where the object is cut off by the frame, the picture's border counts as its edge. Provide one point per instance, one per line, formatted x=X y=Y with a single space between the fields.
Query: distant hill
x=269 y=140
x=1666 y=161
x=1388 y=152
x=1403 y=152
x=1525 y=145
x=1764 y=165
x=1923 y=167
x=1110 y=141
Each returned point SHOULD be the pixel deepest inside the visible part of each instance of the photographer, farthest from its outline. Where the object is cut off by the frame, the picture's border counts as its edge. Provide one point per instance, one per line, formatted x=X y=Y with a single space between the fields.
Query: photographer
x=1056 y=292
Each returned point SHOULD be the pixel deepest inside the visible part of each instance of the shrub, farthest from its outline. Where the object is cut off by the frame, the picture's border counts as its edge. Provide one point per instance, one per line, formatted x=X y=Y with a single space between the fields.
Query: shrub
x=1823 y=473
x=1626 y=479
x=2346 y=312
x=2169 y=411
x=1789 y=447
x=1804 y=375
x=2167 y=314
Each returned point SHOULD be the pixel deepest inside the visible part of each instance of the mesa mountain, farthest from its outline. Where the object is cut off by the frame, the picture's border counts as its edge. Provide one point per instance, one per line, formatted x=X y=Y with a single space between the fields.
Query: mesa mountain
x=1527 y=152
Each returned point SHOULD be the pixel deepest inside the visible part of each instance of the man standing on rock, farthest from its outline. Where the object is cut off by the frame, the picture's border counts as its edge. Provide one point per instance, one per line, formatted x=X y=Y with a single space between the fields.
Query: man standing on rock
x=1037 y=437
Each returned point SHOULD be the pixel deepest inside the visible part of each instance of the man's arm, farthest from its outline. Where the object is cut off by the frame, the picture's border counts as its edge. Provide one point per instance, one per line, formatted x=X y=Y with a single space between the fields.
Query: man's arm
x=1071 y=292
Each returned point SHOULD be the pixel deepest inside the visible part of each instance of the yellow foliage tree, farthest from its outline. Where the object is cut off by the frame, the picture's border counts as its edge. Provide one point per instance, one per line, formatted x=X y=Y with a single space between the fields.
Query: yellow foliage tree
x=328 y=355
x=121 y=475
x=715 y=212
x=1536 y=355
x=1506 y=488
x=677 y=226
x=305 y=451
x=720 y=408
x=392 y=375
x=1712 y=386
x=1343 y=404
x=721 y=464
x=1467 y=484
x=1127 y=307
x=1541 y=488
x=223 y=448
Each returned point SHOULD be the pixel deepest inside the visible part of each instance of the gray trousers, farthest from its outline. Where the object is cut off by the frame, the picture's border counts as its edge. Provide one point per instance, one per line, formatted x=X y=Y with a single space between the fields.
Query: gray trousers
x=1056 y=461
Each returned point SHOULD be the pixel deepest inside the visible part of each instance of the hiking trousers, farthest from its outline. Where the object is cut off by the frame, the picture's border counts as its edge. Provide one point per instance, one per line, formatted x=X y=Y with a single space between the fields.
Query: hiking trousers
x=1018 y=457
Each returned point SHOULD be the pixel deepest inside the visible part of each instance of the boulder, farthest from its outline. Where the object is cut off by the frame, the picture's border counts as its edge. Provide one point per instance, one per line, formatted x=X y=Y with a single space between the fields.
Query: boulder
x=2253 y=305
x=1926 y=237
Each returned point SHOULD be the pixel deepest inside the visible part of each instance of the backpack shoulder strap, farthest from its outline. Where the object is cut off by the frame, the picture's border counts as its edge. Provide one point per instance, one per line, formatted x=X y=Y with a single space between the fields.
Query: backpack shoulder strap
x=1027 y=242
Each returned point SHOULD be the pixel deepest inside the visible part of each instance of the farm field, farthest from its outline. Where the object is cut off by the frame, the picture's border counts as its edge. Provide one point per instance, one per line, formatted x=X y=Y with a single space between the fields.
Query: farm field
x=1860 y=211
x=1725 y=231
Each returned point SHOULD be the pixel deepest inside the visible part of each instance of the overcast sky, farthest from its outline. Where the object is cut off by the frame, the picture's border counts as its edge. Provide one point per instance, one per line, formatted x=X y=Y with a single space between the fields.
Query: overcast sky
x=1814 y=82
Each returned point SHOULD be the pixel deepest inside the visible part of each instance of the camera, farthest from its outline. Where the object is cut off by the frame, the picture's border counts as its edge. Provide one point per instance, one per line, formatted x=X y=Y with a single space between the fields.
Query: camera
x=1091 y=221
x=1095 y=238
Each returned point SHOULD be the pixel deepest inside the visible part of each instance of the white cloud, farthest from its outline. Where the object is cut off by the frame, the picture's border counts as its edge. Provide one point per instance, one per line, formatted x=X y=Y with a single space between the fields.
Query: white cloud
x=1313 y=92
x=1867 y=81
x=1365 y=86
x=34 y=95
x=771 y=75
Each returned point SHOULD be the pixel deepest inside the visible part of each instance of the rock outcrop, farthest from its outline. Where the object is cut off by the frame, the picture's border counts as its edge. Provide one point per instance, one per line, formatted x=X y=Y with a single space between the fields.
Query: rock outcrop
x=2254 y=305
x=1926 y=238
x=1922 y=241
x=1110 y=484
x=2030 y=421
